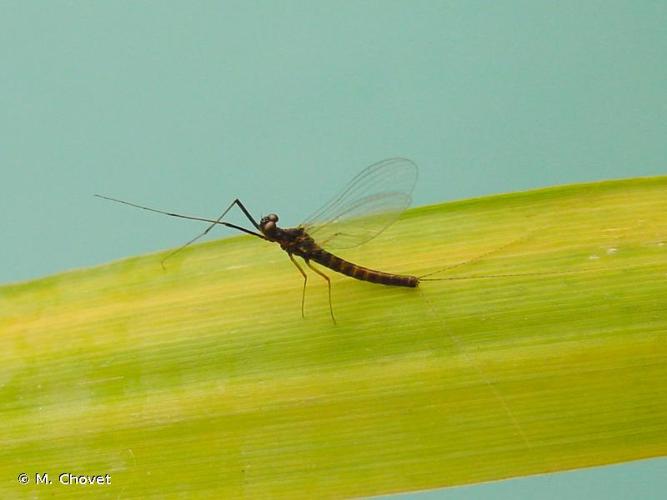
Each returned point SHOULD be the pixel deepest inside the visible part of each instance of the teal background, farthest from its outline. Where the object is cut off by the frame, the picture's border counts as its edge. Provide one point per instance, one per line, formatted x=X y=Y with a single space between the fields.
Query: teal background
x=186 y=105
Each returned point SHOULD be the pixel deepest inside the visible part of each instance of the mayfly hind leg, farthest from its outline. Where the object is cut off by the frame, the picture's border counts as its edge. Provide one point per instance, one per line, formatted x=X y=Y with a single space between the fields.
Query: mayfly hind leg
x=328 y=283
x=305 y=280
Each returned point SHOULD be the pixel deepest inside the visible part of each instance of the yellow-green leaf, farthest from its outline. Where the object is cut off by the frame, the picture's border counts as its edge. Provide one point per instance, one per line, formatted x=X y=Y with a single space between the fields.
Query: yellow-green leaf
x=203 y=379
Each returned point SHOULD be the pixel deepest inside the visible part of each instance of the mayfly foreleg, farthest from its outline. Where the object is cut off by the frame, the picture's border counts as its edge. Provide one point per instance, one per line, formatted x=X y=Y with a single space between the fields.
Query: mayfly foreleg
x=328 y=283
x=305 y=280
x=238 y=203
x=217 y=221
x=191 y=217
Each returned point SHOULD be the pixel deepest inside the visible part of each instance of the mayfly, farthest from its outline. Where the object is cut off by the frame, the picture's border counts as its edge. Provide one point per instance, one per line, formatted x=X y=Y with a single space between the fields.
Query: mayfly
x=370 y=203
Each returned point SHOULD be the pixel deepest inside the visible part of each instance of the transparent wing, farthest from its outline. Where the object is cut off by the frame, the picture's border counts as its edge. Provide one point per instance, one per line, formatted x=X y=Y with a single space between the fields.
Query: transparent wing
x=370 y=203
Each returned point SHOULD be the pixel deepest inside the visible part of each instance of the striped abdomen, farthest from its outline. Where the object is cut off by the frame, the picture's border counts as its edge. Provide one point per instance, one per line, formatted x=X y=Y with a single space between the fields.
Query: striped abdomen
x=361 y=273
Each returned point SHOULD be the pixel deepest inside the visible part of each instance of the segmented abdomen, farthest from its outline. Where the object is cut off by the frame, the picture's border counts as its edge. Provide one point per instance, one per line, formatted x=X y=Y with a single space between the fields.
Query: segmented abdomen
x=362 y=273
